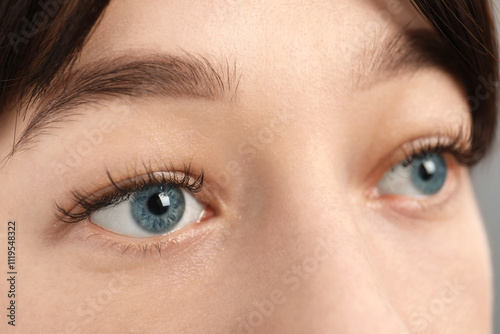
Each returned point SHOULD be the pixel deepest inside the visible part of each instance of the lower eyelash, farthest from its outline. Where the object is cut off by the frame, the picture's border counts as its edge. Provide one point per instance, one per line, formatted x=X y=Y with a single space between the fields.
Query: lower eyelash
x=85 y=203
x=145 y=247
x=152 y=246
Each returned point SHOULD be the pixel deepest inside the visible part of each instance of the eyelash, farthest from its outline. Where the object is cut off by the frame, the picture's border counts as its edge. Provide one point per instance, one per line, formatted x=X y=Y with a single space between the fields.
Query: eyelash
x=453 y=145
x=88 y=203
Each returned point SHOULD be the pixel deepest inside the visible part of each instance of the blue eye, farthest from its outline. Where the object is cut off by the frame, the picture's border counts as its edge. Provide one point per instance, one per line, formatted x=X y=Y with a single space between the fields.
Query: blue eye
x=158 y=209
x=155 y=210
x=423 y=176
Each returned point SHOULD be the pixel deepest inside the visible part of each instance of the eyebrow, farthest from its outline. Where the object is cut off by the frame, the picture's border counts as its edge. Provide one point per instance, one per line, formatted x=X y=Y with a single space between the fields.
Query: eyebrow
x=166 y=75
x=193 y=76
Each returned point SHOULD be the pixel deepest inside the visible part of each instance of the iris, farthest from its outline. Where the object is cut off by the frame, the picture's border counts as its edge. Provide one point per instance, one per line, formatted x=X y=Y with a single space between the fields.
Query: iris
x=428 y=173
x=159 y=208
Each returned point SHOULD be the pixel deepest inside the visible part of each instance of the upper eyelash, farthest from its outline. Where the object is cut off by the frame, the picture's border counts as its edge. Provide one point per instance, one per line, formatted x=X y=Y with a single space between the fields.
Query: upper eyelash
x=457 y=145
x=88 y=203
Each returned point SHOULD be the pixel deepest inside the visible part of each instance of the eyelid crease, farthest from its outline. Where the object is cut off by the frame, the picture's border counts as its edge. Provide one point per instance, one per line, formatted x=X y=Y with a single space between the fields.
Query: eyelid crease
x=122 y=190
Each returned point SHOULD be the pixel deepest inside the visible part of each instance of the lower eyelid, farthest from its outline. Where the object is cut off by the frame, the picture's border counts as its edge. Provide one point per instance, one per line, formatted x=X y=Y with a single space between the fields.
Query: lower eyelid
x=90 y=234
x=97 y=250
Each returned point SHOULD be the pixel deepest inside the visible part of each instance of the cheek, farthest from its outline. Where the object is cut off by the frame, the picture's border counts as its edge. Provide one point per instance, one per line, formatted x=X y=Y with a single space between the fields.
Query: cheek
x=438 y=274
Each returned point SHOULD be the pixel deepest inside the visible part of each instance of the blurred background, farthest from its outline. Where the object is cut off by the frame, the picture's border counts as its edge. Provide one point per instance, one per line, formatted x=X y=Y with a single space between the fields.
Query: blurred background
x=486 y=177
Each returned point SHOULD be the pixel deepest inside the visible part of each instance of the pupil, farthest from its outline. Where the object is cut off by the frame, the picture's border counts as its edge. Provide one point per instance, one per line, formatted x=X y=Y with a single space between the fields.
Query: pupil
x=424 y=173
x=156 y=205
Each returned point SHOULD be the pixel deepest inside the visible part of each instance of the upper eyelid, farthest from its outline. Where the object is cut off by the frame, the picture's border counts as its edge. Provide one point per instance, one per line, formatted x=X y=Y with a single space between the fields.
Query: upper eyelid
x=457 y=144
x=443 y=140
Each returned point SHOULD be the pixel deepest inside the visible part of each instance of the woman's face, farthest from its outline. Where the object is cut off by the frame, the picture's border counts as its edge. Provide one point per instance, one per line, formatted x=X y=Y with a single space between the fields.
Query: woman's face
x=296 y=111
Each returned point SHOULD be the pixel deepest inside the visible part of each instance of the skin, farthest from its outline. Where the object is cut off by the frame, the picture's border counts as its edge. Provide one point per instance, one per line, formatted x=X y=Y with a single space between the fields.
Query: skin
x=296 y=239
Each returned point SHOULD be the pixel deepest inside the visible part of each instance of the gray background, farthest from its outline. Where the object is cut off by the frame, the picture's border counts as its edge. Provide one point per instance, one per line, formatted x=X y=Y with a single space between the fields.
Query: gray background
x=486 y=177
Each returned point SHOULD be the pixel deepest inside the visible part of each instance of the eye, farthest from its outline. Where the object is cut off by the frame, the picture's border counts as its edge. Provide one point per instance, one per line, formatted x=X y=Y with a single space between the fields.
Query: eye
x=420 y=176
x=154 y=210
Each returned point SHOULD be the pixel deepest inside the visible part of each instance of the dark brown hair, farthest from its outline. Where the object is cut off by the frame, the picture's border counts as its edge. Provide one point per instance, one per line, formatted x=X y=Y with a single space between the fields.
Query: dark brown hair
x=468 y=27
x=41 y=38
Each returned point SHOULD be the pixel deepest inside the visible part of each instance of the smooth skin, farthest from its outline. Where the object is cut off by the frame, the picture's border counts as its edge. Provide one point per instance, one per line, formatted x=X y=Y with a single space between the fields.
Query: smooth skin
x=297 y=239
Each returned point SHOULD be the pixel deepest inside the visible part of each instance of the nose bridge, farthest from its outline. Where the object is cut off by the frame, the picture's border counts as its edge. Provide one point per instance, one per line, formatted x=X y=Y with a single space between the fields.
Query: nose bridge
x=330 y=284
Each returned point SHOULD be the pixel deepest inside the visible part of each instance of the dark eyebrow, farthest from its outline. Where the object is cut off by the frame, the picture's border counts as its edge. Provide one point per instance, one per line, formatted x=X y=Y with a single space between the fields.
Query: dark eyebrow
x=406 y=51
x=175 y=76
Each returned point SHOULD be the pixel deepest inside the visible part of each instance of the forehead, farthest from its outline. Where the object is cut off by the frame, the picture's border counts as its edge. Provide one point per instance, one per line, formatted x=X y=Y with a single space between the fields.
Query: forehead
x=258 y=34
